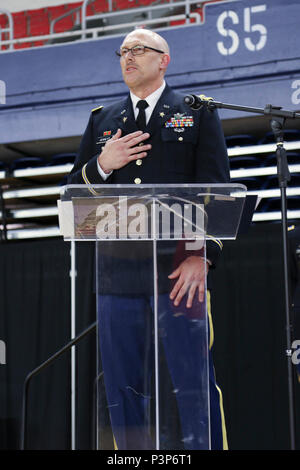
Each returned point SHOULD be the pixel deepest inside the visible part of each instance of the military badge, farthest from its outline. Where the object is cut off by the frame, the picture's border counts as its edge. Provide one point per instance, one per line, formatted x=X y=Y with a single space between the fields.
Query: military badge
x=180 y=121
x=102 y=139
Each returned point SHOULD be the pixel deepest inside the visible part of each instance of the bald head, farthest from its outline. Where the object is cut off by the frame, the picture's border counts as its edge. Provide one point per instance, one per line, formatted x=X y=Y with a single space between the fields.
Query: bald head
x=152 y=38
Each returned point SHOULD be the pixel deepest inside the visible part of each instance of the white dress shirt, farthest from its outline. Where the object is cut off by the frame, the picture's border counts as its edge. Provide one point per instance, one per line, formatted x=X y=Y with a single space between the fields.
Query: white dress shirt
x=151 y=100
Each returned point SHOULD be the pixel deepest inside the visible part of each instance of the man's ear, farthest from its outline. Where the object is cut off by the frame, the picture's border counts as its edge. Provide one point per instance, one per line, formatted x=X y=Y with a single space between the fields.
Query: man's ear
x=165 y=60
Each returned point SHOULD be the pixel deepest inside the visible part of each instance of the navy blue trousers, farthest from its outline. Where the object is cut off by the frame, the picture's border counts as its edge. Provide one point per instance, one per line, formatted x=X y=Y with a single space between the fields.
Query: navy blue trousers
x=127 y=356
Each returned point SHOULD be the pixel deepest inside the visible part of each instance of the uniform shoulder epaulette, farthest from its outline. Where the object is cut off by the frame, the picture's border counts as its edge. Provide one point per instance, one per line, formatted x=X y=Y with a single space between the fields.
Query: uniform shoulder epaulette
x=97 y=109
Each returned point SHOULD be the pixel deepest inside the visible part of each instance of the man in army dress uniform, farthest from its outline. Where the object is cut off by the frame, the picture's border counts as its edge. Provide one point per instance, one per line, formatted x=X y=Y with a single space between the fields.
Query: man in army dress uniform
x=133 y=142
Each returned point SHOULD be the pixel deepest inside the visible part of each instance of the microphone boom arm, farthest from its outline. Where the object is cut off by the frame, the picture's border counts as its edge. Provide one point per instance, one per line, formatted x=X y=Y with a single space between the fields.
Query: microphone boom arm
x=210 y=103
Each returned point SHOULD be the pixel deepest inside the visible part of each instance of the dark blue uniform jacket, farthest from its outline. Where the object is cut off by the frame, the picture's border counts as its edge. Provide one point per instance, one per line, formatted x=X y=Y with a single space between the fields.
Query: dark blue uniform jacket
x=195 y=153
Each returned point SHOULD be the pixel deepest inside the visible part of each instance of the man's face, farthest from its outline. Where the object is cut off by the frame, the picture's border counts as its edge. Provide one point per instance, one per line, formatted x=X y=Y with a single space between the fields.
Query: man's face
x=145 y=70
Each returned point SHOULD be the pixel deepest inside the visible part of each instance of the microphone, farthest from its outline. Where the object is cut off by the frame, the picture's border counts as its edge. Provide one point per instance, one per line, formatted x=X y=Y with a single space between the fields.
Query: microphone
x=196 y=102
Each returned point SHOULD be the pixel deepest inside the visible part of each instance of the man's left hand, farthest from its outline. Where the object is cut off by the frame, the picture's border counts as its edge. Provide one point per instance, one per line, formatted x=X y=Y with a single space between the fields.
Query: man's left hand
x=191 y=274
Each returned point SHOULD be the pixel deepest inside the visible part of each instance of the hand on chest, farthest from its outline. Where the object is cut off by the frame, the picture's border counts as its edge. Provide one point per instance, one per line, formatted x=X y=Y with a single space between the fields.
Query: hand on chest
x=163 y=126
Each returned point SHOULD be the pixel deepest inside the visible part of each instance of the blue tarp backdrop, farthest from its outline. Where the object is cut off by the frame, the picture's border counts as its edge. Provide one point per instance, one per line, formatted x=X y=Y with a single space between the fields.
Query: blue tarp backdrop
x=245 y=52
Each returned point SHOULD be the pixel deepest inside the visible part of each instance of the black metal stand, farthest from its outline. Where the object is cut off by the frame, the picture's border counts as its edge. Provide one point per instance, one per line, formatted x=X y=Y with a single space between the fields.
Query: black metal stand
x=38 y=369
x=278 y=117
x=283 y=178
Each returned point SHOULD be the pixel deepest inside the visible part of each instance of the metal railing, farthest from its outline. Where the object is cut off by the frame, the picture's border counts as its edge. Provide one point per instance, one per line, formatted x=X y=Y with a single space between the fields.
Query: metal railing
x=122 y=21
x=40 y=368
x=9 y=29
x=75 y=11
x=147 y=14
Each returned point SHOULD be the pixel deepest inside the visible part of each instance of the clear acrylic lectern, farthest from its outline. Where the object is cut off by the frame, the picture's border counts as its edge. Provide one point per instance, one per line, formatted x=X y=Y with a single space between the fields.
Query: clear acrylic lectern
x=153 y=354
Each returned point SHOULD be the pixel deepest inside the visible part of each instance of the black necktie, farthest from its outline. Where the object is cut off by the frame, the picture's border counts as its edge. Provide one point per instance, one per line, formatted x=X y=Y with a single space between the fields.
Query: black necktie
x=141 y=119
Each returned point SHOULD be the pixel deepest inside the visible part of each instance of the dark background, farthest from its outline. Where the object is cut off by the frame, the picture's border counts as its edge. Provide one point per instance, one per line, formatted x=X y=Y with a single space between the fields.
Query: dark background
x=249 y=349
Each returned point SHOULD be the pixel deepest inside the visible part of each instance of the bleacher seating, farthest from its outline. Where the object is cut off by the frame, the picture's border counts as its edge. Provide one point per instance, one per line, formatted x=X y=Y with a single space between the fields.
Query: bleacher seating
x=289 y=135
x=31 y=23
x=240 y=140
x=39 y=22
x=4 y=166
x=66 y=23
x=3 y=35
x=27 y=162
x=123 y=4
x=49 y=175
x=62 y=159
x=293 y=158
x=295 y=182
x=21 y=28
x=251 y=182
x=244 y=161
x=97 y=6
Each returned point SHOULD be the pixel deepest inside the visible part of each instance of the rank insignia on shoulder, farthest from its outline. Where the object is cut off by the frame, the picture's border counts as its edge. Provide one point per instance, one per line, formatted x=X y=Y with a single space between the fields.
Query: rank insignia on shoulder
x=97 y=109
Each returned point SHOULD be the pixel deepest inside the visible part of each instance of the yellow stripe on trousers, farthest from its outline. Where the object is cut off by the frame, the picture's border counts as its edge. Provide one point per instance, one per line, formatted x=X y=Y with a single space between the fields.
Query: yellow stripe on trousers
x=211 y=341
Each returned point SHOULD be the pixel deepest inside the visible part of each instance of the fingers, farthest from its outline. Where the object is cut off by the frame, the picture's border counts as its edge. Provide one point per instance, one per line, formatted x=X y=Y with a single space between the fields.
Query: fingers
x=133 y=144
x=128 y=137
x=174 y=274
x=178 y=292
x=135 y=137
x=136 y=150
x=181 y=289
x=174 y=294
x=138 y=140
x=201 y=292
x=117 y=135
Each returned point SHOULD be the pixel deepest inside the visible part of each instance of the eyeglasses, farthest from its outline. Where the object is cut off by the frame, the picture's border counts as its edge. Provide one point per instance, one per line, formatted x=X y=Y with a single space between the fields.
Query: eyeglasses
x=136 y=50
